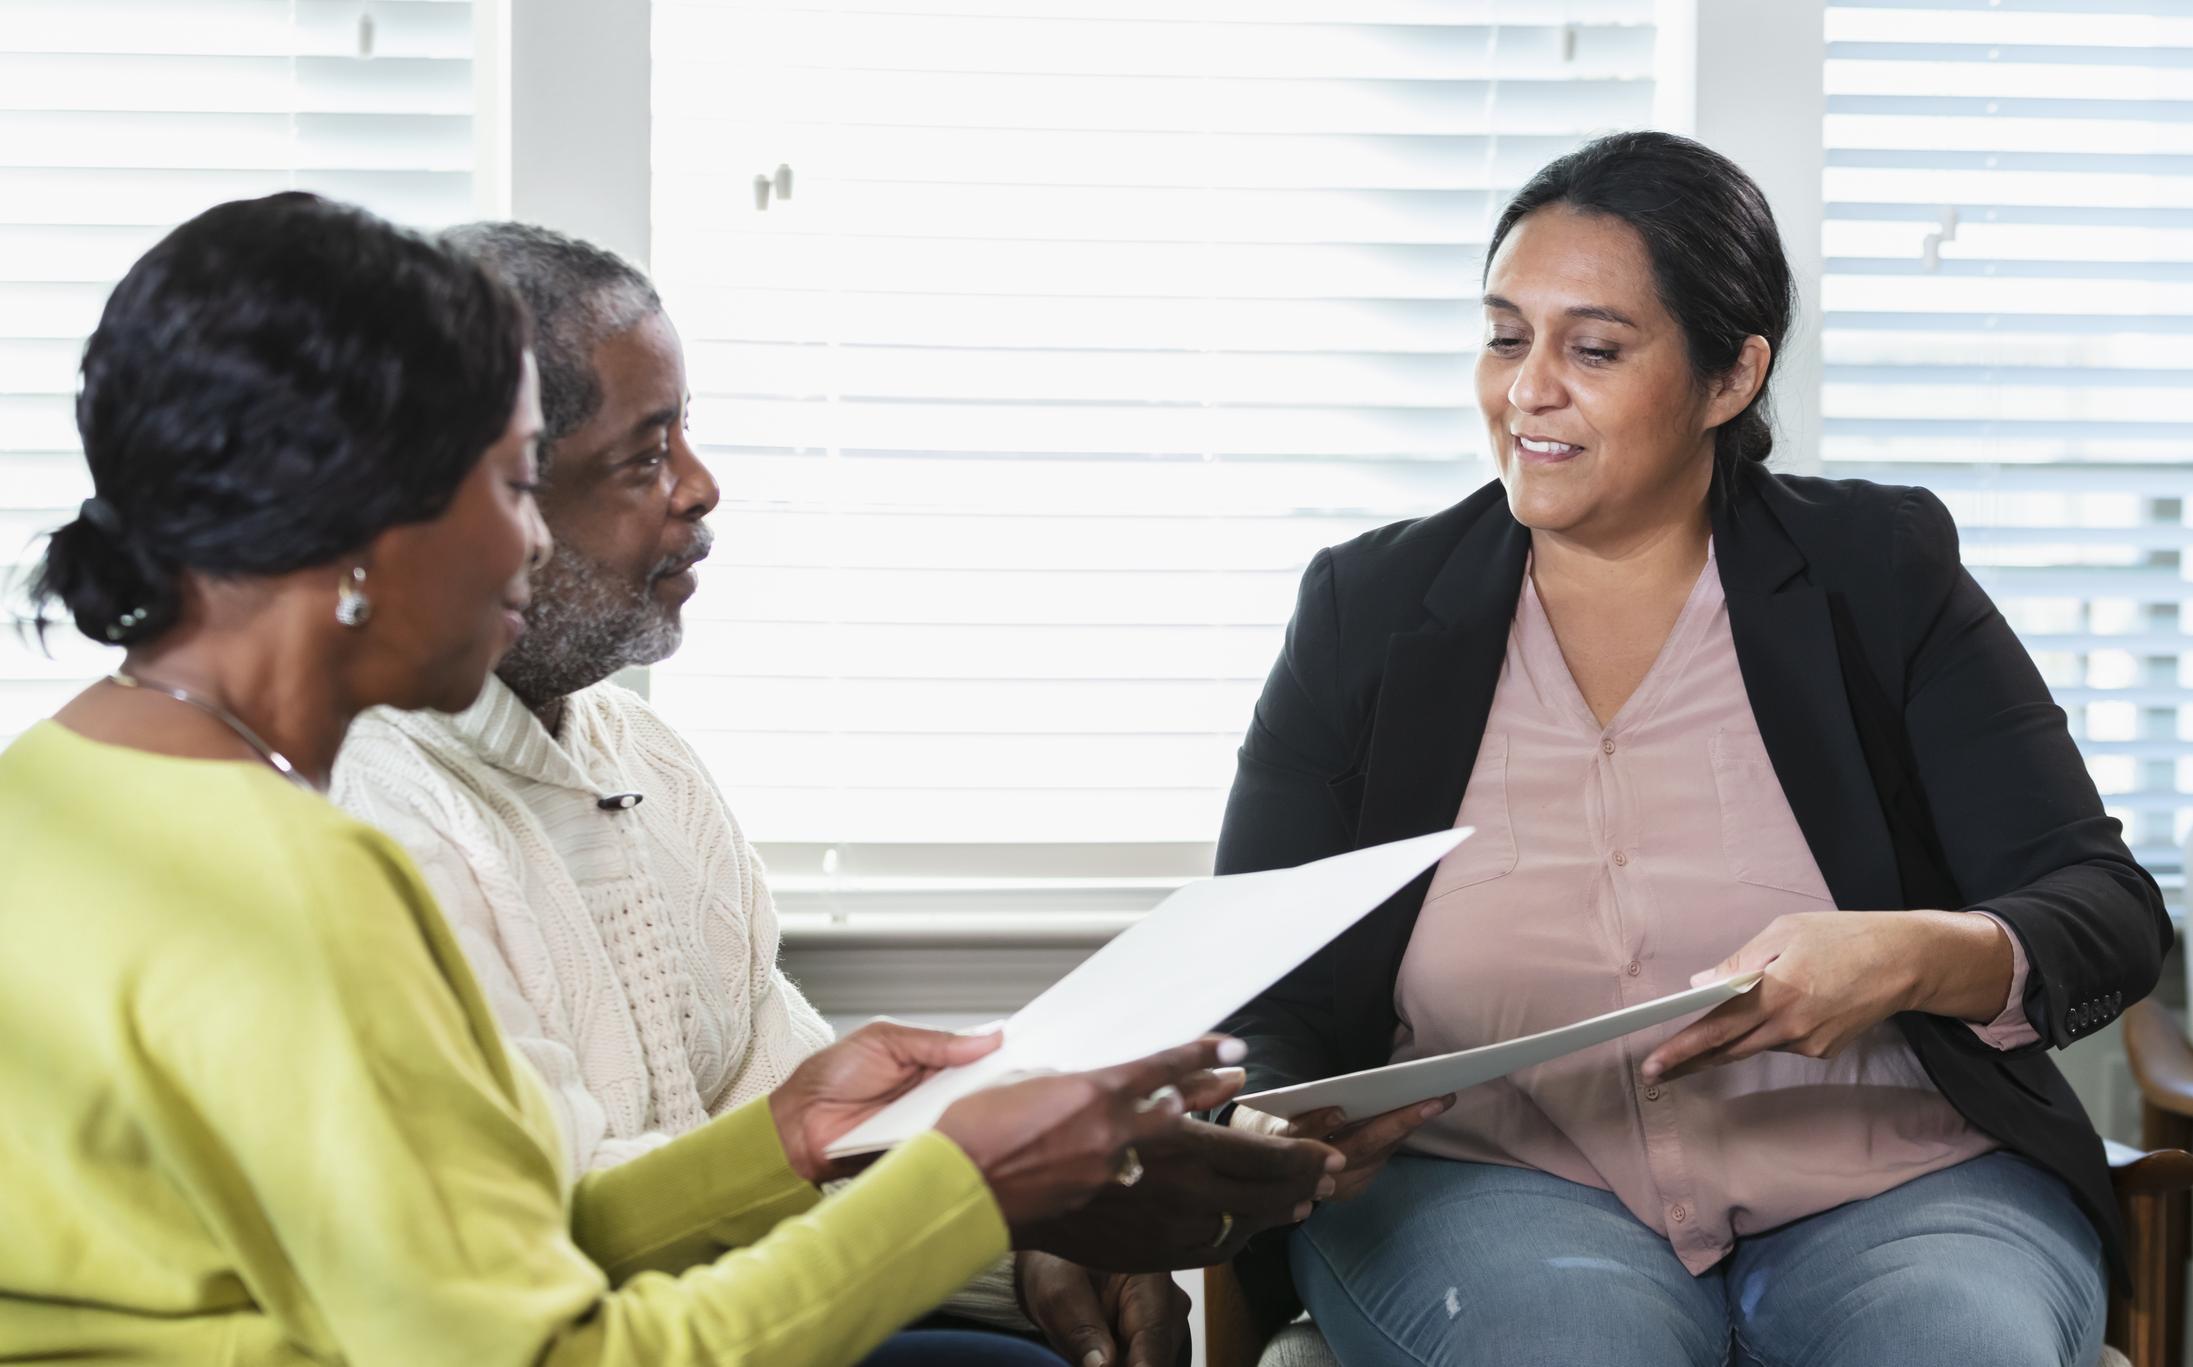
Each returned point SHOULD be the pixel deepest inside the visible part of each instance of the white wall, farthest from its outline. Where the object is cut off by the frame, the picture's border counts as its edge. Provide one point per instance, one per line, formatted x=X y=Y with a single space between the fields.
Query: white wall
x=563 y=132
x=1744 y=77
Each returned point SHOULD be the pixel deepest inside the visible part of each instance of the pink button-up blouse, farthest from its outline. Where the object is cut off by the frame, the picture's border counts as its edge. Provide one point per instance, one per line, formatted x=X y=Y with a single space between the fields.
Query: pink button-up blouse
x=1610 y=864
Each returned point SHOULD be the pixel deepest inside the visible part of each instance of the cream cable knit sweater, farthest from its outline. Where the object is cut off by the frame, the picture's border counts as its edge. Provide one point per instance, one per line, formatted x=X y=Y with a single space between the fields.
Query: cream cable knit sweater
x=631 y=956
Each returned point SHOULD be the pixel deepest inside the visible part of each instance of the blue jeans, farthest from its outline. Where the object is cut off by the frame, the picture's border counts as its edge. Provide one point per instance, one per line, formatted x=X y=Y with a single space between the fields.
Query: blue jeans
x=1986 y=1264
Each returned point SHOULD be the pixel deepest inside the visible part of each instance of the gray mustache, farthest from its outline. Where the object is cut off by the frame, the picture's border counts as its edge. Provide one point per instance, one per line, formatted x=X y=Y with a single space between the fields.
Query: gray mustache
x=703 y=542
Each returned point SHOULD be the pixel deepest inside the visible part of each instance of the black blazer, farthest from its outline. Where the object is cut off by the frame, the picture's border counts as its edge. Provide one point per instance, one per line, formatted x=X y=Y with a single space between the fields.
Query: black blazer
x=1931 y=771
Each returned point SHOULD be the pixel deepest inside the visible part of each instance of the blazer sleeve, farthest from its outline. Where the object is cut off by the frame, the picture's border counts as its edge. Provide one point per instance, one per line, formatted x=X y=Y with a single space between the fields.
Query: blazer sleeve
x=1286 y=809
x=2021 y=825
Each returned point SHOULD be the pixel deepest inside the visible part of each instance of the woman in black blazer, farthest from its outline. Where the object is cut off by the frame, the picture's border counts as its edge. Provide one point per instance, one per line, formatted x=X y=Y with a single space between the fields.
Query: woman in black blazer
x=1636 y=297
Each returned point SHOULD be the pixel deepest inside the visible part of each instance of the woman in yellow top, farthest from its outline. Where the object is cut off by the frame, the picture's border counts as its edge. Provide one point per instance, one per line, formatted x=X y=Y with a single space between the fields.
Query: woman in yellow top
x=252 y=1108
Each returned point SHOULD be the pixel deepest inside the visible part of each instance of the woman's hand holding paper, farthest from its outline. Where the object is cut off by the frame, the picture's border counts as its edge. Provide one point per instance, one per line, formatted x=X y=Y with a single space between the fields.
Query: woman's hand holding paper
x=1830 y=976
x=1045 y=1146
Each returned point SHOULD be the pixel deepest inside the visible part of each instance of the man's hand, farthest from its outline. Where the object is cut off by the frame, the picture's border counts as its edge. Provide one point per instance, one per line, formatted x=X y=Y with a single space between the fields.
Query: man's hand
x=1104 y=1319
x=1205 y=1190
x=836 y=1088
x=1049 y=1145
x=1363 y=1145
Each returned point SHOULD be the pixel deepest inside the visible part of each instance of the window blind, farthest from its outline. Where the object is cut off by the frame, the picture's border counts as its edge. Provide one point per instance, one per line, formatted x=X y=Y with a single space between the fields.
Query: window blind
x=121 y=118
x=2008 y=310
x=1082 y=327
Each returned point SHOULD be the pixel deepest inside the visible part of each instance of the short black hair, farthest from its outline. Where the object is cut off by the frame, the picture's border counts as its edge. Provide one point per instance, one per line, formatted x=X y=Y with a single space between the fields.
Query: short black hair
x=579 y=295
x=274 y=384
x=1716 y=255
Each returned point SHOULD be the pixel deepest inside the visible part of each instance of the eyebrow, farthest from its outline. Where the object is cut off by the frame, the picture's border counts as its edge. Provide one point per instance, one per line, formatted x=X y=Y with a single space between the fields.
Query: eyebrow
x=661 y=417
x=1596 y=311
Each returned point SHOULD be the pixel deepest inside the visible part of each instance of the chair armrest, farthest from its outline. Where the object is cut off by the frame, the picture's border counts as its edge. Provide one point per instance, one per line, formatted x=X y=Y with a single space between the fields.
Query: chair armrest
x=2161 y=1057
x=2135 y=1171
x=1231 y=1335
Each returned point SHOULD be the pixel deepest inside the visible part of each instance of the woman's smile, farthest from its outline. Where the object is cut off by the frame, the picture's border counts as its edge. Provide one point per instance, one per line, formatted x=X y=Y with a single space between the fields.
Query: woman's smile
x=1545 y=450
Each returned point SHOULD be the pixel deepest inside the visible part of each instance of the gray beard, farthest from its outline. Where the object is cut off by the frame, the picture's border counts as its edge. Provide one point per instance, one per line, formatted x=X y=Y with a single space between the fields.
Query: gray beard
x=583 y=626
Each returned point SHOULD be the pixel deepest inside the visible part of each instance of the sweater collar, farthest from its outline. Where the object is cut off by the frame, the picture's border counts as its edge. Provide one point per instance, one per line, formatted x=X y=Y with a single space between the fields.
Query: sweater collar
x=504 y=733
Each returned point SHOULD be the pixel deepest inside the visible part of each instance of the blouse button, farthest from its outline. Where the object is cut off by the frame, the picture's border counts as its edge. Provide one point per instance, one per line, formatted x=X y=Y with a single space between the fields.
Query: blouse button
x=1652 y=1094
x=1621 y=858
x=1633 y=968
x=1606 y=747
x=1679 y=1214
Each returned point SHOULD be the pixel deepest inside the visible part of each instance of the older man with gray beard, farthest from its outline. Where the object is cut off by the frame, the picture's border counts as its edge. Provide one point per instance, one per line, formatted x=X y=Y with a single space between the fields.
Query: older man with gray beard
x=617 y=919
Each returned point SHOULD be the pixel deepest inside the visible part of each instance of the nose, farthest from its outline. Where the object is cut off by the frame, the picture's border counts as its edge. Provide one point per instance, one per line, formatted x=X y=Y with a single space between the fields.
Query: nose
x=1536 y=387
x=538 y=540
x=696 y=495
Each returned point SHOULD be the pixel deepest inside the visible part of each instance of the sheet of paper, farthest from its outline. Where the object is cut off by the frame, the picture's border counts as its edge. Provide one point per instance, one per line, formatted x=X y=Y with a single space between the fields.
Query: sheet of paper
x=1383 y=1089
x=1205 y=951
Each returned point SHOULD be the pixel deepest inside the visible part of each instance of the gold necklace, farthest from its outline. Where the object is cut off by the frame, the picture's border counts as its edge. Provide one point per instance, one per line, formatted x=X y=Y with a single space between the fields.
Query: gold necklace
x=274 y=758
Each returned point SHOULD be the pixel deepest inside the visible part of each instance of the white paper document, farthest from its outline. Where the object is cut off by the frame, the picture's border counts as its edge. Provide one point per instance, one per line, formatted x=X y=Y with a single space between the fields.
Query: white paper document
x=1206 y=950
x=1375 y=1090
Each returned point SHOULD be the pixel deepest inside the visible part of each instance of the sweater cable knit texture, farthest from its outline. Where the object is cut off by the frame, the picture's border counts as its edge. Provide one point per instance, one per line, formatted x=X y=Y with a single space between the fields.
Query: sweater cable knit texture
x=631 y=955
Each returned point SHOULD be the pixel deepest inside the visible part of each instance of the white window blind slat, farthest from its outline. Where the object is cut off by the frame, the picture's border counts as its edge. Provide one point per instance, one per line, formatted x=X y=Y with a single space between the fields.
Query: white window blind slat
x=1189 y=486
x=740 y=97
x=106 y=83
x=2100 y=23
x=1128 y=157
x=764 y=368
x=1062 y=542
x=1083 y=328
x=1026 y=268
x=86 y=140
x=944 y=650
x=213 y=28
x=2009 y=321
x=1003 y=707
x=1271 y=11
x=121 y=118
x=1147 y=323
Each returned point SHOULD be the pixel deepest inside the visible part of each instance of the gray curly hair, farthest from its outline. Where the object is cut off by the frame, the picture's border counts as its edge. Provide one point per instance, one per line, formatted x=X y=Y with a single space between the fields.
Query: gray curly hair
x=579 y=295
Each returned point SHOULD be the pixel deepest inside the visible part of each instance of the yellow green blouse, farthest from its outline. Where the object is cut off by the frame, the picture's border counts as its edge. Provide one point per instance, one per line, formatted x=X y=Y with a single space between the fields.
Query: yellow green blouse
x=253 y=1110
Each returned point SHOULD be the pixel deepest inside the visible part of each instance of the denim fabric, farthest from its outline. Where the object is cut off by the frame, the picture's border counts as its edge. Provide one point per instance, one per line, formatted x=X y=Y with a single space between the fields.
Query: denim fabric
x=1451 y=1264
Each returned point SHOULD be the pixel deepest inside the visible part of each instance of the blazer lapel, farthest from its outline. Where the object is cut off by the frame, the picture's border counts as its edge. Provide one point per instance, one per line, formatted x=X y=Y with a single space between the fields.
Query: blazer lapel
x=1786 y=651
x=1434 y=696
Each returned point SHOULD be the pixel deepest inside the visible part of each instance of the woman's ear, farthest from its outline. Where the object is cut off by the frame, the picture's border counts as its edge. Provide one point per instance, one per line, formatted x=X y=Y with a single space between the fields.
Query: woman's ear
x=1740 y=383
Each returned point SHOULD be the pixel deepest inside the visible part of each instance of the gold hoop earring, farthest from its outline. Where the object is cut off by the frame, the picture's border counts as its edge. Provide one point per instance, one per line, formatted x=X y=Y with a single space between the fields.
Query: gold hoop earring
x=352 y=608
